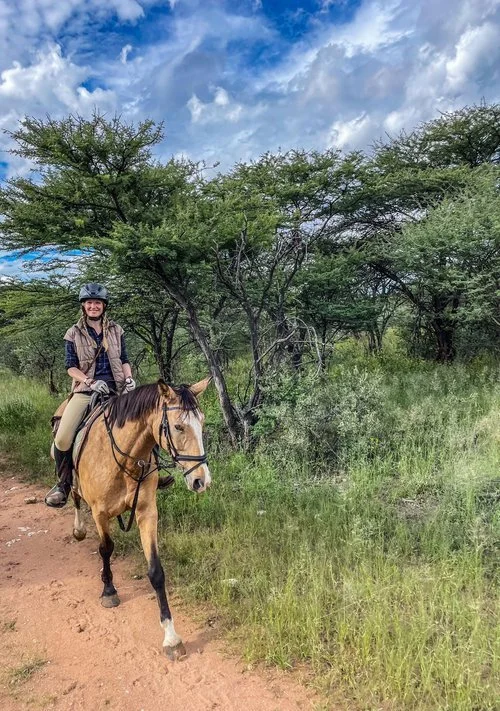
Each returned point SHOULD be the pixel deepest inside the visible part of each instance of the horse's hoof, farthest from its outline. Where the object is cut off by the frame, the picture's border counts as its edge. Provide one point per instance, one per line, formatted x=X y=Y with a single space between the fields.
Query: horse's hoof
x=79 y=534
x=177 y=653
x=110 y=600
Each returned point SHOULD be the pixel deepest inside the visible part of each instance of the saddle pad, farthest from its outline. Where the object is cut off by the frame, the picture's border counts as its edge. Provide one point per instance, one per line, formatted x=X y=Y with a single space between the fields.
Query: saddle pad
x=77 y=445
x=81 y=435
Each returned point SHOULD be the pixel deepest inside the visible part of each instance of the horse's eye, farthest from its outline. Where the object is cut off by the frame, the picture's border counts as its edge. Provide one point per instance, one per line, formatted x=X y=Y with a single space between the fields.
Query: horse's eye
x=180 y=428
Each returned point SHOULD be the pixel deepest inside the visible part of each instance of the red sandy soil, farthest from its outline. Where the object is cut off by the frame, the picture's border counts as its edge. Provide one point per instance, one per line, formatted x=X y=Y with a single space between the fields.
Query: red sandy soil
x=92 y=658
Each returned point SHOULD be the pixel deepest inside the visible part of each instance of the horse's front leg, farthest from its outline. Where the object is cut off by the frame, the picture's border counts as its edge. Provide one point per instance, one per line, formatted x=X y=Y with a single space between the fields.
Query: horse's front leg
x=79 y=528
x=109 y=596
x=147 y=520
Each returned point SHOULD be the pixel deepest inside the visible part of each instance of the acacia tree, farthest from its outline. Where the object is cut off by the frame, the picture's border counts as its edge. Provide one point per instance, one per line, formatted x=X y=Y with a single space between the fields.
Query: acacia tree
x=33 y=317
x=99 y=191
x=265 y=219
x=451 y=263
x=406 y=179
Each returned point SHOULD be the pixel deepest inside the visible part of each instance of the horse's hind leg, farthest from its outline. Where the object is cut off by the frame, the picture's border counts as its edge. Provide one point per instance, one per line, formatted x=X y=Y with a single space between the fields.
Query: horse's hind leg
x=79 y=528
x=109 y=596
x=147 y=520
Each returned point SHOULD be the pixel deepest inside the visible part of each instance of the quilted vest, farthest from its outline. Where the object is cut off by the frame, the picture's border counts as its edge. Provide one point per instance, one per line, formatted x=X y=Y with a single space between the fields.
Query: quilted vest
x=85 y=351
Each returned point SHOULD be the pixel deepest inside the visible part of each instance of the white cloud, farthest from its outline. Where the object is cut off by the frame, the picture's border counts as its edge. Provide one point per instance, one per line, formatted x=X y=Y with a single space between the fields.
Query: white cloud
x=351 y=134
x=52 y=80
x=127 y=9
x=10 y=267
x=477 y=49
x=52 y=83
x=221 y=109
x=394 y=64
x=125 y=51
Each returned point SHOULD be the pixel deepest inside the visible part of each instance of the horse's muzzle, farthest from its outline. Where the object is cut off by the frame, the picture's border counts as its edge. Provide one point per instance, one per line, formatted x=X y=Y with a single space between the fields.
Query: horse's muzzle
x=197 y=484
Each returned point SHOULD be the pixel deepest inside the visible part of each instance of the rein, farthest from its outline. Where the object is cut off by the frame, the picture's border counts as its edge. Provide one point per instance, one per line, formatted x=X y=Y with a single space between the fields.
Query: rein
x=176 y=457
x=164 y=430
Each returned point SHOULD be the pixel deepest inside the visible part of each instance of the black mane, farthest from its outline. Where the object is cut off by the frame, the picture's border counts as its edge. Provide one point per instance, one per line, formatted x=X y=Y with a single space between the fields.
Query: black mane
x=145 y=399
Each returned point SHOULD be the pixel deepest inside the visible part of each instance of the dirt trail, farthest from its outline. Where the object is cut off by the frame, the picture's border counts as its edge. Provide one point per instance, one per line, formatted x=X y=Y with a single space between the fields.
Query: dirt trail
x=96 y=658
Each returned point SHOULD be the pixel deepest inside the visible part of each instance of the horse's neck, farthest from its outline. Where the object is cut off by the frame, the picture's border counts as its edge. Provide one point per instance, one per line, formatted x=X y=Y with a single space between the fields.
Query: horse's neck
x=140 y=438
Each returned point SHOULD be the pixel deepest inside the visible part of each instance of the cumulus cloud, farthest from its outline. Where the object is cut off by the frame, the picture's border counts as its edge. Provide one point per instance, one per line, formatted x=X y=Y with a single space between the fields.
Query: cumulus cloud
x=477 y=52
x=10 y=266
x=51 y=83
x=220 y=110
x=347 y=134
x=229 y=86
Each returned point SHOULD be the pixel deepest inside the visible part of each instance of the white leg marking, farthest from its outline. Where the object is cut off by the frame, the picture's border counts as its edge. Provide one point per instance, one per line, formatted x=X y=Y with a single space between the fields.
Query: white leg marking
x=79 y=524
x=171 y=639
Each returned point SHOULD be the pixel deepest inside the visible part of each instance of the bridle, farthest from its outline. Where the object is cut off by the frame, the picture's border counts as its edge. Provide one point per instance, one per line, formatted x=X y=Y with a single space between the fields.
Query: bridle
x=145 y=467
x=172 y=449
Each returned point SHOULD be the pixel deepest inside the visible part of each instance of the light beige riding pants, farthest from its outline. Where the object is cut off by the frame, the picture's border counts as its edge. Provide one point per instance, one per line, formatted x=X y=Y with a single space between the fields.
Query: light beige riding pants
x=71 y=418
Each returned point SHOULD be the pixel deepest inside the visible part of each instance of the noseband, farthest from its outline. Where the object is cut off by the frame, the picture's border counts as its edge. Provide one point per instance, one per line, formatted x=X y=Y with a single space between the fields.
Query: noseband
x=165 y=431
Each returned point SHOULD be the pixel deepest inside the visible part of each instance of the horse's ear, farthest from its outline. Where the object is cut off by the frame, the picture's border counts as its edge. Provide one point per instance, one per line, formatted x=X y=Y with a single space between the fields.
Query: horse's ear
x=198 y=388
x=166 y=391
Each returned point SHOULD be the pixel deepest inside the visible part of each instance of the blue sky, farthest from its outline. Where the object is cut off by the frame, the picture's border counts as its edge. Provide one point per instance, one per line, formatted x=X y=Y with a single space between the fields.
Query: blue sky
x=232 y=80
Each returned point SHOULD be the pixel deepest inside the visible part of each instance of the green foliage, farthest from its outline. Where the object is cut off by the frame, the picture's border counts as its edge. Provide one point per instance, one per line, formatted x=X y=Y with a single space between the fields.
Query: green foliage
x=467 y=137
x=322 y=421
x=25 y=412
x=275 y=261
x=451 y=261
x=361 y=535
x=17 y=416
x=381 y=573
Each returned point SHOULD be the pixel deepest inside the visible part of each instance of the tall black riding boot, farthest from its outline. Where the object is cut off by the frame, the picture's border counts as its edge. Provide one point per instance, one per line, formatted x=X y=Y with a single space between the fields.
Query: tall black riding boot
x=58 y=495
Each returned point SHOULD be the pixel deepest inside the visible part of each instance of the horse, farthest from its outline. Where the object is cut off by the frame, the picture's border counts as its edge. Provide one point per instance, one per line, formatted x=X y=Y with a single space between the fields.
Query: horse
x=114 y=472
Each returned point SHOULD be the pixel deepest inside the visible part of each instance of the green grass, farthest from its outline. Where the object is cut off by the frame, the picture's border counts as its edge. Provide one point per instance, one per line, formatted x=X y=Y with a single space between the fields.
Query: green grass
x=25 y=411
x=377 y=567
x=22 y=673
x=9 y=626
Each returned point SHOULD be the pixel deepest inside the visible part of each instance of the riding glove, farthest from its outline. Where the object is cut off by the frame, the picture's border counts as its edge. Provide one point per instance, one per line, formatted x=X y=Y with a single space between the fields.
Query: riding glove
x=129 y=384
x=99 y=386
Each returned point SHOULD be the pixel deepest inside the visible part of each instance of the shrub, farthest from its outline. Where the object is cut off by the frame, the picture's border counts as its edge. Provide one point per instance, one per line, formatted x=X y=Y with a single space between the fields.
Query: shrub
x=323 y=420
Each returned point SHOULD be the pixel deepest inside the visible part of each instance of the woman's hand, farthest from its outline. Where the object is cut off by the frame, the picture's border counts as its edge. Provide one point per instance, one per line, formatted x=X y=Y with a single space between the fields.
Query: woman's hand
x=99 y=386
x=129 y=384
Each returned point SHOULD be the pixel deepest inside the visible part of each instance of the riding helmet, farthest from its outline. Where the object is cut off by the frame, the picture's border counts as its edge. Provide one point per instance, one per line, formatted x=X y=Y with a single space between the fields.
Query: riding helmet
x=93 y=291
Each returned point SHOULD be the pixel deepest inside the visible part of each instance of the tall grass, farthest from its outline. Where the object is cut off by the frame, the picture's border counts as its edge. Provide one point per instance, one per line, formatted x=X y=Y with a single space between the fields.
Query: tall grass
x=373 y=559
x=25 y=411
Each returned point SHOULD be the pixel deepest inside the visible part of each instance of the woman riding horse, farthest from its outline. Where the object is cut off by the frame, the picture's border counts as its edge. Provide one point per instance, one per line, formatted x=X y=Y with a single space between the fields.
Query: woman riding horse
x=115 y=469
x=97 y=361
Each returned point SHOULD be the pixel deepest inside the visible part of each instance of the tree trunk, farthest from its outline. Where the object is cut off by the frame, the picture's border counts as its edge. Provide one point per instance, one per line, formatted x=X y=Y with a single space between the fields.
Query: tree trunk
x=374 y=339
x=228 y=411
x=444 y=332
x=169 y=345
x=156 y=342
x=444 y=327
x=52 y=385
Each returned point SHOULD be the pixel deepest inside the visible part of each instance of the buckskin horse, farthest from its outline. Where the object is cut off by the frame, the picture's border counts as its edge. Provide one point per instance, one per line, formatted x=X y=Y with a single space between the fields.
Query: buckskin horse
x=115 y=472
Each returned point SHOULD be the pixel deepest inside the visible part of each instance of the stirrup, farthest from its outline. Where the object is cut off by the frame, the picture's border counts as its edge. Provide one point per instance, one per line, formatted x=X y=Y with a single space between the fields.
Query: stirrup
x=59 y=501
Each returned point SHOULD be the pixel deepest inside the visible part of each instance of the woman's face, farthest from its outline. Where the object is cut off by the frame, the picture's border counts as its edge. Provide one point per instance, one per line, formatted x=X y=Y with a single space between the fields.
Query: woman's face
x=93 y=308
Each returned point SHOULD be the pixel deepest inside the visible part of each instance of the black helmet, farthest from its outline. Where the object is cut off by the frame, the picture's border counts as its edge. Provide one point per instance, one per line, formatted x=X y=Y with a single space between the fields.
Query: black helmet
x=93 y=291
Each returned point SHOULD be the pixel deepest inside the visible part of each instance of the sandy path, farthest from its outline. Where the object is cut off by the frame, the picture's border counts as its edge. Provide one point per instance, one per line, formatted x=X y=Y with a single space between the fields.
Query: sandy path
x=97 y=658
